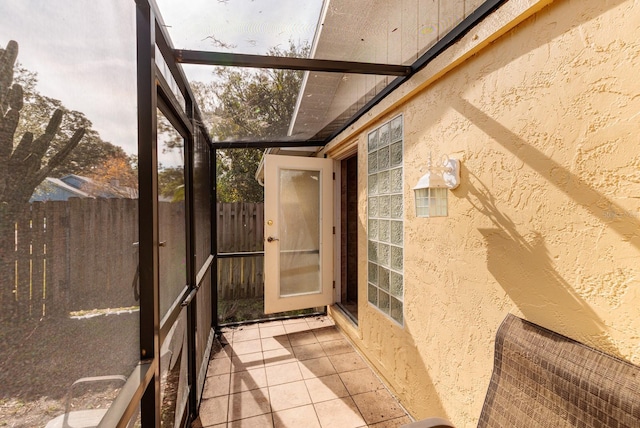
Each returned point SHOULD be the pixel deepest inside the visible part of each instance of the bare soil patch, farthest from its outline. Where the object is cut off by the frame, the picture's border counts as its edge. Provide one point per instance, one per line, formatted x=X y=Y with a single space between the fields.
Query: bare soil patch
x=41 y=359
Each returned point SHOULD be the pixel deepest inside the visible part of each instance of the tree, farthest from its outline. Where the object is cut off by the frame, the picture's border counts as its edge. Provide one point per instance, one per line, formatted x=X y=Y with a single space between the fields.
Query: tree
x=171 y=183
x=117 y=174
x=241 y=104
x=86 y=157
x=236 y=169
x=21 y=167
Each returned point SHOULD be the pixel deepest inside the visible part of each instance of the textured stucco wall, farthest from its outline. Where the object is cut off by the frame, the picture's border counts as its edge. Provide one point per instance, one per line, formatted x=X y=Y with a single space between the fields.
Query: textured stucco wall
x=546 y=222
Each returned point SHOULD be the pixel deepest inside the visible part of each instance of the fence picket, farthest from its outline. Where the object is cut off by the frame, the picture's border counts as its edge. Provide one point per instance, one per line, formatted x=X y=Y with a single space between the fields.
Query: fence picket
x=57 y=272
x=38 y=242
x=23 y=264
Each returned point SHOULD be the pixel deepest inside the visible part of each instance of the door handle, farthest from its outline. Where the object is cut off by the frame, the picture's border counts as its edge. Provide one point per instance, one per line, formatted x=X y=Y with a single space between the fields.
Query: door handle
x=271 y=239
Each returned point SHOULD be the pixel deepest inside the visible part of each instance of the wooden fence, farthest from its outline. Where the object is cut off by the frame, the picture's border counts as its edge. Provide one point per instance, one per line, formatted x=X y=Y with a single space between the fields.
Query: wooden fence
x=71 y=256
x=79 y=255
x=240 y=228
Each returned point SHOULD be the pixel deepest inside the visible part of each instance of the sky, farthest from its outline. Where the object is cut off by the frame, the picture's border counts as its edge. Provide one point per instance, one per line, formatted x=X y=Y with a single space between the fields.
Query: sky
x=84 y=50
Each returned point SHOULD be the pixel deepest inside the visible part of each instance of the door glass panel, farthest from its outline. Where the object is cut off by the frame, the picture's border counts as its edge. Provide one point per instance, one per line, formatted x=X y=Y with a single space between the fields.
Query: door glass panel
x=299 y=232
x=174 y=392
x=171 y=215
x=172 y=270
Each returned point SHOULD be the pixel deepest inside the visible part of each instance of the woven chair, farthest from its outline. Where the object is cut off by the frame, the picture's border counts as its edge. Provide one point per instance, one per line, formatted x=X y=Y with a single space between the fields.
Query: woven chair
x=542 y=379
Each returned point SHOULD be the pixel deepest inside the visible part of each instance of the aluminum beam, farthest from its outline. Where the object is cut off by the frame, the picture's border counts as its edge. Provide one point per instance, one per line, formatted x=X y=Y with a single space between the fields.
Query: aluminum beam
x=267 y=61
x=254 y=144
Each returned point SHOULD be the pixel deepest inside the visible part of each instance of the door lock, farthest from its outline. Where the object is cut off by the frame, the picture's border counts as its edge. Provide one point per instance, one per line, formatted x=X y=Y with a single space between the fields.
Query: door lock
x=271 y=239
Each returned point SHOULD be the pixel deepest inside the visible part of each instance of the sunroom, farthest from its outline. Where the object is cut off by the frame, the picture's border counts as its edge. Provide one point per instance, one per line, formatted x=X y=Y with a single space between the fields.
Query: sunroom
x=396 y=176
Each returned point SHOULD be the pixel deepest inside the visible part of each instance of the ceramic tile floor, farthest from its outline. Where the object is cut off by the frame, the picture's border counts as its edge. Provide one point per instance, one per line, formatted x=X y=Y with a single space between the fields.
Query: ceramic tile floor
x=294 y=373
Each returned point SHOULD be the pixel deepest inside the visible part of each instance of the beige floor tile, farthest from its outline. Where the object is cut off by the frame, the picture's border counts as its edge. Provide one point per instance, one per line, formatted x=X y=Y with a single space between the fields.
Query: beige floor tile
x=293 y=373
x=219 y=366
x=219 y=350
x=278 y=356
x=283 y=373
x=347 y=362
x=214 y=411
x=247 y=347
x=247 y=380
x=339 y=413
x=275 y=330
x=360 y=381
x=275 y=342
x=378 y=406
x=248 y=404
x=320 y=322
x=244 y=334
x=216 y=385
x=393 y=423
x=326 y=388
x=306 y=352
x=335 y=347
x=198 y=424
x=296 y=327
x=302 y=338
x=288 y=395
x=269 y=323
x=226 y=335
x=260 y=421
x=324 y=334
x=195 y=425
x=298 y=417
x=291 y=321
x=253 y=360
x=316 y=367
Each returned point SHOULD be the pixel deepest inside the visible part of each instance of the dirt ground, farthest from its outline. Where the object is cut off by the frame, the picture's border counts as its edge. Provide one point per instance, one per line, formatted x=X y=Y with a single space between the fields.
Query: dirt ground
x=39 y=360
x=241 y=310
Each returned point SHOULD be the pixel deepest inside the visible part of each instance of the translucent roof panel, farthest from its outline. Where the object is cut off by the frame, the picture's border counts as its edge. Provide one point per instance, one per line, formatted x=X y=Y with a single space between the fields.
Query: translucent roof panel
x=240 y=26
x=329 y=100
x=394 y=32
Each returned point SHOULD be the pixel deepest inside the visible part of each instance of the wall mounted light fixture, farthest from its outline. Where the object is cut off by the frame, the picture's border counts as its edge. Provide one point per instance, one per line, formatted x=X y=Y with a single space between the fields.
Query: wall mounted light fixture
x=432 y=189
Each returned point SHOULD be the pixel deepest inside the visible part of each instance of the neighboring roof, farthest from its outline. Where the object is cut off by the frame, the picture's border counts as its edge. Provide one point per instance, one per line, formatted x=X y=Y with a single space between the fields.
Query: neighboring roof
x=54 y=189
x=77 y=181
x=67 y=185
x=72 y=185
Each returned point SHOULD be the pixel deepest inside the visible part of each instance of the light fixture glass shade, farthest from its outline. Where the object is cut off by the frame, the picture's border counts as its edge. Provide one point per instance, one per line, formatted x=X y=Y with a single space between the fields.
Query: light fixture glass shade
x=431 y=202
x=431 y=192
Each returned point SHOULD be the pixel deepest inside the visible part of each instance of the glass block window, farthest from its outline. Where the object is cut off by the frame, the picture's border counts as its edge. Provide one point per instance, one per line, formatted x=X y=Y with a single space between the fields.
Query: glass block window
x=385 y=219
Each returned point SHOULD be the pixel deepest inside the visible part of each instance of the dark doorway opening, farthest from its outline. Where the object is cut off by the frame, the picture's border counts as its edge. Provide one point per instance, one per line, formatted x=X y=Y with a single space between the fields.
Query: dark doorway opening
x=349 y=236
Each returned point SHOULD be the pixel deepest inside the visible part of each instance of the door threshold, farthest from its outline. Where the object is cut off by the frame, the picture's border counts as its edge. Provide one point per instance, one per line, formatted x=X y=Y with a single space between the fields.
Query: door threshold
x=346 y=313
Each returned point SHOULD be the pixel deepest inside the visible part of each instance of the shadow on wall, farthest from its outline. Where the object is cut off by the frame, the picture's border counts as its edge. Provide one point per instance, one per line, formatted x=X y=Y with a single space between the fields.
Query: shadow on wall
x=407 y=370
x=521 y=263
x=523 y=268
x=628 y=227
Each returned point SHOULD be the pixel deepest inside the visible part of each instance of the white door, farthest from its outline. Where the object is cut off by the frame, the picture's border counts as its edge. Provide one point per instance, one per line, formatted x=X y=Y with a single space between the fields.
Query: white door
x=298 y=247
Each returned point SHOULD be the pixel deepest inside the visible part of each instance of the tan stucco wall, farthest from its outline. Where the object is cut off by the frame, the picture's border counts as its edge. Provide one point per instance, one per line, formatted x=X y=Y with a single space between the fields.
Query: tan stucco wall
x=545 y=224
